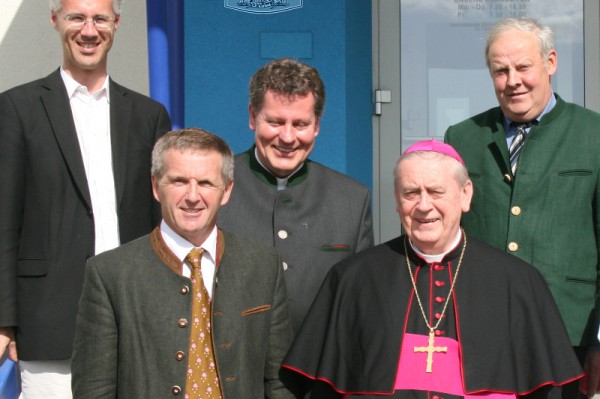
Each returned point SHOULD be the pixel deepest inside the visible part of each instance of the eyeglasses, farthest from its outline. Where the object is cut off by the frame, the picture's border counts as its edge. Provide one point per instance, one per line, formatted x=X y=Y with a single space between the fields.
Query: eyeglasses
x=101 y=22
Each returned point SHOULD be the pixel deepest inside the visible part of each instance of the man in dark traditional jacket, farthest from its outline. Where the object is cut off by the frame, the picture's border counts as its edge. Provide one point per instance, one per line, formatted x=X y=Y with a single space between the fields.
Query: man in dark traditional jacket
x=433 y=313
x=313 y=215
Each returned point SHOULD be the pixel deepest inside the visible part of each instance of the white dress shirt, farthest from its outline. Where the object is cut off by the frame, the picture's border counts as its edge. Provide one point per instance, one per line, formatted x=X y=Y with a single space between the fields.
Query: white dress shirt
x=181 y=247
x=91 y=113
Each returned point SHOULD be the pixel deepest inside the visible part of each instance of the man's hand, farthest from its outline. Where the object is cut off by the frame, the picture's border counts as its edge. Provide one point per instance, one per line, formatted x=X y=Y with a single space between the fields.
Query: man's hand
x=7 y=340
x=590 y=384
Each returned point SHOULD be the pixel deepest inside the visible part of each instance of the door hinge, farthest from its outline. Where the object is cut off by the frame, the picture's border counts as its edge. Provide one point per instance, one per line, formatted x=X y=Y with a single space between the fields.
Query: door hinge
x=381 y=97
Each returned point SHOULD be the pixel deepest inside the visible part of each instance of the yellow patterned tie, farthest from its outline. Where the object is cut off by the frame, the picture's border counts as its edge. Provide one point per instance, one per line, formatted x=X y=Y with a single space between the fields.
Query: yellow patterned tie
x=202 y=377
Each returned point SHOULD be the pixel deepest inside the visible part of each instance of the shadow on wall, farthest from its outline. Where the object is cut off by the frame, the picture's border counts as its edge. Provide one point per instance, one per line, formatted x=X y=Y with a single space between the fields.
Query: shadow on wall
x=31 y=47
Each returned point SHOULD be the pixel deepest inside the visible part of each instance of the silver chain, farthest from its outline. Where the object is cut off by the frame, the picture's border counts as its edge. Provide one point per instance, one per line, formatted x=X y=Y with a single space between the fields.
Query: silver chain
x=414 y=284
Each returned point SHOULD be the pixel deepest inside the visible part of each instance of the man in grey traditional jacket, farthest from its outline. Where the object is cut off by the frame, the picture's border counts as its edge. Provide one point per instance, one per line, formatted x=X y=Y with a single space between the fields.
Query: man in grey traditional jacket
x=188 y=310
x=313 y=215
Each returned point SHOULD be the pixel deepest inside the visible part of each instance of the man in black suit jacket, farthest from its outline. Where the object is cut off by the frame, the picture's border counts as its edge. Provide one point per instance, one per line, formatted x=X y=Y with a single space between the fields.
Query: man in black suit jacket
x=75 y=152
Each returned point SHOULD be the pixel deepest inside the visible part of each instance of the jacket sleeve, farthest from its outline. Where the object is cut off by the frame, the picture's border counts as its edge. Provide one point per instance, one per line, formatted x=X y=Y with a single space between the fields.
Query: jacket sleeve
x=163 y=125
x=365 y=234
x=280 y=339
x=94 y=361
x=447 y=134
x=12 y=164
x=595 y=330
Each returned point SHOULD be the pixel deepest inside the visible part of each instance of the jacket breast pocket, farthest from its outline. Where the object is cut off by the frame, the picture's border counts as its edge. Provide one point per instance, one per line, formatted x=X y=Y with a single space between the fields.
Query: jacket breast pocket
x=256 y=309
x=32 y=267
x=580 y=280
x=575 y=172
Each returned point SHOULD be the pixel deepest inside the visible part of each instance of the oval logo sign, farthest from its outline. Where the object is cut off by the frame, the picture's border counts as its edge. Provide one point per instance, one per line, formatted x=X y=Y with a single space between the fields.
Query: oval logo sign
x=263 y=6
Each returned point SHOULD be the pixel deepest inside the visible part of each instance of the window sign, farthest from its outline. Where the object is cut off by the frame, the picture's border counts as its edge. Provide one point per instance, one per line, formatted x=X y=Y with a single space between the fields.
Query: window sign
x=444 y=78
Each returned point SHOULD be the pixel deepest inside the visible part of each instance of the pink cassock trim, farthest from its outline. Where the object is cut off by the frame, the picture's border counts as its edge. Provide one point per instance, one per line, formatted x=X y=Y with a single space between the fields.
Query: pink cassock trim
x=445 y=373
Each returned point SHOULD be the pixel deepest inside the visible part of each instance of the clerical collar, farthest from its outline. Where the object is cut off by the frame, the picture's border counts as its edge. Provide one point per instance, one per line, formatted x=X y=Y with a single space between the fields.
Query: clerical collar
x=281 y=182
x=437 y=257
x=262 y=173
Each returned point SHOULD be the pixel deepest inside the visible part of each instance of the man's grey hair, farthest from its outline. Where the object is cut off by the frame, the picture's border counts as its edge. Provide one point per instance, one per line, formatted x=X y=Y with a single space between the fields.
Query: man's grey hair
x=56 y=6
x=460 y=173
x=192 y=139
x=544 y=34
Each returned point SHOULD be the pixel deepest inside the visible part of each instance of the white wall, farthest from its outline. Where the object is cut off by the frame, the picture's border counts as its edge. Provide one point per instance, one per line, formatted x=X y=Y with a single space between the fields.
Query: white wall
x=30 y=47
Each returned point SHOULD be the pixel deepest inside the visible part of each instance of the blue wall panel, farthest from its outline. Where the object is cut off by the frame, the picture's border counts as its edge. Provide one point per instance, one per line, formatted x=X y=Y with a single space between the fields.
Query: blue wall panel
x=286 y=44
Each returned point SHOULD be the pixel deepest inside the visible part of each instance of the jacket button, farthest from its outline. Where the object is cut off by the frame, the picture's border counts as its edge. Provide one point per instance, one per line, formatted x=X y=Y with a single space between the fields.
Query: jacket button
x=439 y=283
x=282 y=234
x=180 y=356
x=284 y=265
x=513 y=246
x=515 y=210
x=182 y=323
x=507 y=177
x=175 y=389
x=184 y=290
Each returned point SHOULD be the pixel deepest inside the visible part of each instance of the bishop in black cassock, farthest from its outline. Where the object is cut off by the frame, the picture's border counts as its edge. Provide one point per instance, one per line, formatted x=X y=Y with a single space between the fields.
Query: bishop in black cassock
x=469 y=321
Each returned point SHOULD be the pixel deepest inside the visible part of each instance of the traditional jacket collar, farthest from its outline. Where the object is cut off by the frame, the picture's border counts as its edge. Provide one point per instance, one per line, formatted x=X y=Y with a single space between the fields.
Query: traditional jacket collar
x=170 y=259
x=554 y=113
x=546 y=117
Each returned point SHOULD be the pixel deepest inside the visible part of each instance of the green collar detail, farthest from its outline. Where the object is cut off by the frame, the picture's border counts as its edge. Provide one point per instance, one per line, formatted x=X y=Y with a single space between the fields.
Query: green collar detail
x=266 y=177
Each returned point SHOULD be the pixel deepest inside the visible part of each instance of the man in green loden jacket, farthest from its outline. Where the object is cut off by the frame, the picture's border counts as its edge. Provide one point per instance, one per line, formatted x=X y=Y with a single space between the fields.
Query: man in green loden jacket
x=535 y=166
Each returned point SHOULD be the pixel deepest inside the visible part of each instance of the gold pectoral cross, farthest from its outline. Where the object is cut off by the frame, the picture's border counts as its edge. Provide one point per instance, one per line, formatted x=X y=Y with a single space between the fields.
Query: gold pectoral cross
x=430 y=349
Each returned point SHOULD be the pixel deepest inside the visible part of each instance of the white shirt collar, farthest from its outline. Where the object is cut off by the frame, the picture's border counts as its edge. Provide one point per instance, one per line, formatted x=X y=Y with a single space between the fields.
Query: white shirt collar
x=73 y=86
x=181 y=247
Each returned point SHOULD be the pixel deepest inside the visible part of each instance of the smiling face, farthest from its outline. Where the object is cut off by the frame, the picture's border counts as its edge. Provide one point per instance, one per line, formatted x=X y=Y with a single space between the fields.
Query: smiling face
x=285 y=130
x=191 y=192
x=430 y=200
x=85 y=49
x=520 y=74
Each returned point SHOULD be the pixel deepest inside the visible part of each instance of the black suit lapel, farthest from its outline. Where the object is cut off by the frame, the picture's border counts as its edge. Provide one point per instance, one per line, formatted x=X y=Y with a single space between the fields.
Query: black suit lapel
x=120 y=121
x=58 y=109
